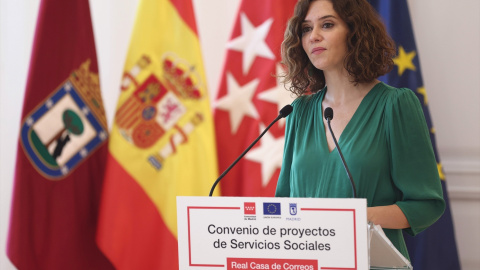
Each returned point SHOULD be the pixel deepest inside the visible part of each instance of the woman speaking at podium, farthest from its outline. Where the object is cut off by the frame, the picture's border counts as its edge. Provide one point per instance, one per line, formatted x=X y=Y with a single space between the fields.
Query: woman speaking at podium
x=334 y=51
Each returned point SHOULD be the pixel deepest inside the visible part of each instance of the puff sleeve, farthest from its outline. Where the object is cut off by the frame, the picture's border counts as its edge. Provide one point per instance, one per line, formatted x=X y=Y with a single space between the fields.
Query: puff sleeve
x=413 y=165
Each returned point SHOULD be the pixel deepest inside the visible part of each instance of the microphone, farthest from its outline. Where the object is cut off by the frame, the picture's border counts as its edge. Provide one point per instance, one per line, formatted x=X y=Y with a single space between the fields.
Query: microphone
x=284 y=112
x=328 y=114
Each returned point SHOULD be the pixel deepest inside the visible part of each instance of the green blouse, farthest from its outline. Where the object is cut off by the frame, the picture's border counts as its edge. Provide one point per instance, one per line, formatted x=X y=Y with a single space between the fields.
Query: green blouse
x=387 y=148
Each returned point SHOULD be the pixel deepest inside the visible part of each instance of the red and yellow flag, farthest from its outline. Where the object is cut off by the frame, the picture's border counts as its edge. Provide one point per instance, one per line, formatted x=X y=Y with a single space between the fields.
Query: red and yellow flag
x=250 y=97
x=62 y=146
x=162 y=141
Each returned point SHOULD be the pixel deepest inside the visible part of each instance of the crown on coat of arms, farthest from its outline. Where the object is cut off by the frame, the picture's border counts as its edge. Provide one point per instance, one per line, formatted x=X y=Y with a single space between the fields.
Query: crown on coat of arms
x=88 y=85
x=181 y=78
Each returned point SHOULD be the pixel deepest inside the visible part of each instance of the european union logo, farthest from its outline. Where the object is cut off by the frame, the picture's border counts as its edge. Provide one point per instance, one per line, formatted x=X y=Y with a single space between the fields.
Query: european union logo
x=271 y=208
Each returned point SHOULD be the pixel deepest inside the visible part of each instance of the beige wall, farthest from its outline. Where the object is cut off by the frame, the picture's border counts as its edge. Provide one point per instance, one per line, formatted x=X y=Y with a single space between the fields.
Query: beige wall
x=448 y=41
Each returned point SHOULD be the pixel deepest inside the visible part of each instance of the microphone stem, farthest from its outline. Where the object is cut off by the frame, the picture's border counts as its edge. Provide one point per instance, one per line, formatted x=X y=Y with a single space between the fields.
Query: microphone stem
x=243 y=154
x=343 y=160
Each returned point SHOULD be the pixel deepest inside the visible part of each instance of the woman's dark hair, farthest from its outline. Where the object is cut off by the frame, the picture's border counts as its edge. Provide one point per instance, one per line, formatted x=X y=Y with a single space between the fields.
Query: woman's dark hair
x=370 y=50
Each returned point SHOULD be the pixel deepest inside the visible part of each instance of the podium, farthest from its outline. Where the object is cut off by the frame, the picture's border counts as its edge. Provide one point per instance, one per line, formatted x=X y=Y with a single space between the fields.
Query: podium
x=281 y=233
x=382 y=253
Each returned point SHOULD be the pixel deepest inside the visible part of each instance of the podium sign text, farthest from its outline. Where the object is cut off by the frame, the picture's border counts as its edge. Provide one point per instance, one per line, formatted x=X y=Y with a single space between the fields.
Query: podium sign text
x=271 y=233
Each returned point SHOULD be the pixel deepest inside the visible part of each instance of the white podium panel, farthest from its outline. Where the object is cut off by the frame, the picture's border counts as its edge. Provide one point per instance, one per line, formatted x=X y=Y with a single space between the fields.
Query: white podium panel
x=383 y=255
x=272 y=233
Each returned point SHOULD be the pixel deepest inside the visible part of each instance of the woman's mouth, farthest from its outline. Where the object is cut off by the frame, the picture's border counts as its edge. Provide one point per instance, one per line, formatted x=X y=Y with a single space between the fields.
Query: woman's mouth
x=318 y=50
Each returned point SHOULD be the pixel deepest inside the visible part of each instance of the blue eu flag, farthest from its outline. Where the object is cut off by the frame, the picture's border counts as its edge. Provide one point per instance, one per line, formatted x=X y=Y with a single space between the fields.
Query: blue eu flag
x=434 y=248
x=271 y=208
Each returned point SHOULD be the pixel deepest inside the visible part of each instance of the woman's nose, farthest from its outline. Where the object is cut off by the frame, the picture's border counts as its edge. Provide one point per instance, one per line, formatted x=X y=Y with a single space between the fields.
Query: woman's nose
x=315 y=35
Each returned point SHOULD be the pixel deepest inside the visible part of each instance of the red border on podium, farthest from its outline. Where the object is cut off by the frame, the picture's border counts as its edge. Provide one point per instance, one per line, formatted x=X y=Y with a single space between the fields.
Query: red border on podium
x=189 y=242
x=303 y=209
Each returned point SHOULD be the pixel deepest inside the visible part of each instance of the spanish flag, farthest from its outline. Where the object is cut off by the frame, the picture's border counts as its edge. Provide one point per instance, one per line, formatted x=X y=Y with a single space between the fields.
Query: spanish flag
x=162 y=141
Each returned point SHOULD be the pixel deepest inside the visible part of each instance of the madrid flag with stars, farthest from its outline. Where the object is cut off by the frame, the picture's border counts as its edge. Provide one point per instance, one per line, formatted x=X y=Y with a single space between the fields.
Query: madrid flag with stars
x=250 y=97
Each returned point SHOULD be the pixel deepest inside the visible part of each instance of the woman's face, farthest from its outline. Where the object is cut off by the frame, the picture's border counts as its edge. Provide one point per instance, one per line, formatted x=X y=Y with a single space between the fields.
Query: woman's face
x=324 y=36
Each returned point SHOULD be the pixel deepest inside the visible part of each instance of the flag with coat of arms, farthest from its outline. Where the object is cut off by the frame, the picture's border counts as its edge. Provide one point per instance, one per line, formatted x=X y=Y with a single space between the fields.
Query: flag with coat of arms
x=62 y=146
x=162 y=142
x=250 y=97
x=434 y=248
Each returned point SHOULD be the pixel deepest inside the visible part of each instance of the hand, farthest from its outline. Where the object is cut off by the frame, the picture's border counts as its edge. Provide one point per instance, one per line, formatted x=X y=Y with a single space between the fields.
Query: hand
x=388 y=217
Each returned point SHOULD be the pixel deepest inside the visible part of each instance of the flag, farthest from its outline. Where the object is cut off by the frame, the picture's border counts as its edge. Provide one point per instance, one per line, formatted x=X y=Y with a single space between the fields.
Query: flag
x=62 y=146
x=162 y=142
x=250 y=97
x=434 y=248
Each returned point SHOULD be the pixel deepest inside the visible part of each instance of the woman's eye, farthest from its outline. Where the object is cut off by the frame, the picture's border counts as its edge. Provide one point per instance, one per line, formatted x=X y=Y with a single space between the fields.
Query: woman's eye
x=306 y=29
x=327 y=25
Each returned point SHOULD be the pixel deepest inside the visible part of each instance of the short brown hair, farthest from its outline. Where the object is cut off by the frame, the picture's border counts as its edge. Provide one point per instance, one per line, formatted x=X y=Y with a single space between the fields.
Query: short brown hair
x=370 y=49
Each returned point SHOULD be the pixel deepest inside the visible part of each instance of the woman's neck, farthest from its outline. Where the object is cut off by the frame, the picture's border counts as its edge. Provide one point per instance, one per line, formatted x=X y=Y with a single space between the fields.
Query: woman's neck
x=341 y=90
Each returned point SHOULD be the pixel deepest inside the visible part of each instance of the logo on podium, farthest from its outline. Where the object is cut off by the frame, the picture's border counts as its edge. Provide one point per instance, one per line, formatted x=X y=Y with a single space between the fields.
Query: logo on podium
x=293 y=209
x=249 y=208
x=271 y=209
x=249 y=211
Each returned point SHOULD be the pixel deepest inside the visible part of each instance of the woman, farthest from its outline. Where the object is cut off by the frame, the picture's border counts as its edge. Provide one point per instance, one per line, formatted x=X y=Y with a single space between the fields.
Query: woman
x=334 y=51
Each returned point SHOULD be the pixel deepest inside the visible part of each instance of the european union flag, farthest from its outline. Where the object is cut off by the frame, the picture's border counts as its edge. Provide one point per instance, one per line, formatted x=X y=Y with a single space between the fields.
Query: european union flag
x=434 y=248
x=271 y=208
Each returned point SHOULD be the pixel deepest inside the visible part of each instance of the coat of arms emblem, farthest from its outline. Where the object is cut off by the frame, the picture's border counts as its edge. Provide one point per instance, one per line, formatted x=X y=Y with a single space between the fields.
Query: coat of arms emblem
x=67 y=127
x=158 y=107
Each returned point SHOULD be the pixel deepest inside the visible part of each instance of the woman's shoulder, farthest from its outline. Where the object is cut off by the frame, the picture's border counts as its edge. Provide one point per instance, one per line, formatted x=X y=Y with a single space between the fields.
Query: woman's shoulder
x=401 y=103
x=305 y=107
x=308 y=100
x=394 y=92
x=394 y=96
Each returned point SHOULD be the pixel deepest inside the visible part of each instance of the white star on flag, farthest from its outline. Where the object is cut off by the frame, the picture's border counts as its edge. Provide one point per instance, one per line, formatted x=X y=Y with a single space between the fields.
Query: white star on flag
x=238 y=101
x=269 y=154
x=252 y=42
x=278 y=94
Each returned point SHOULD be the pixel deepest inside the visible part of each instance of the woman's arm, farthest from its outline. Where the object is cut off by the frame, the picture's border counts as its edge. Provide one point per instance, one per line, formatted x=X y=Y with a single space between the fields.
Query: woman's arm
x=388 y=217
x=414 y=169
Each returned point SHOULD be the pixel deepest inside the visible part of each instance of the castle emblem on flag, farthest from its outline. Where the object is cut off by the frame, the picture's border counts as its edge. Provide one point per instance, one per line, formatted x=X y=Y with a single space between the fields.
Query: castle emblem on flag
x=155 y=117
x=67 y=127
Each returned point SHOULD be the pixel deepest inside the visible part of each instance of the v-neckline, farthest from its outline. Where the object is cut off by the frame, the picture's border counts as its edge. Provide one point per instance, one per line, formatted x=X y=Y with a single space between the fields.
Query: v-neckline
x=354 y=116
